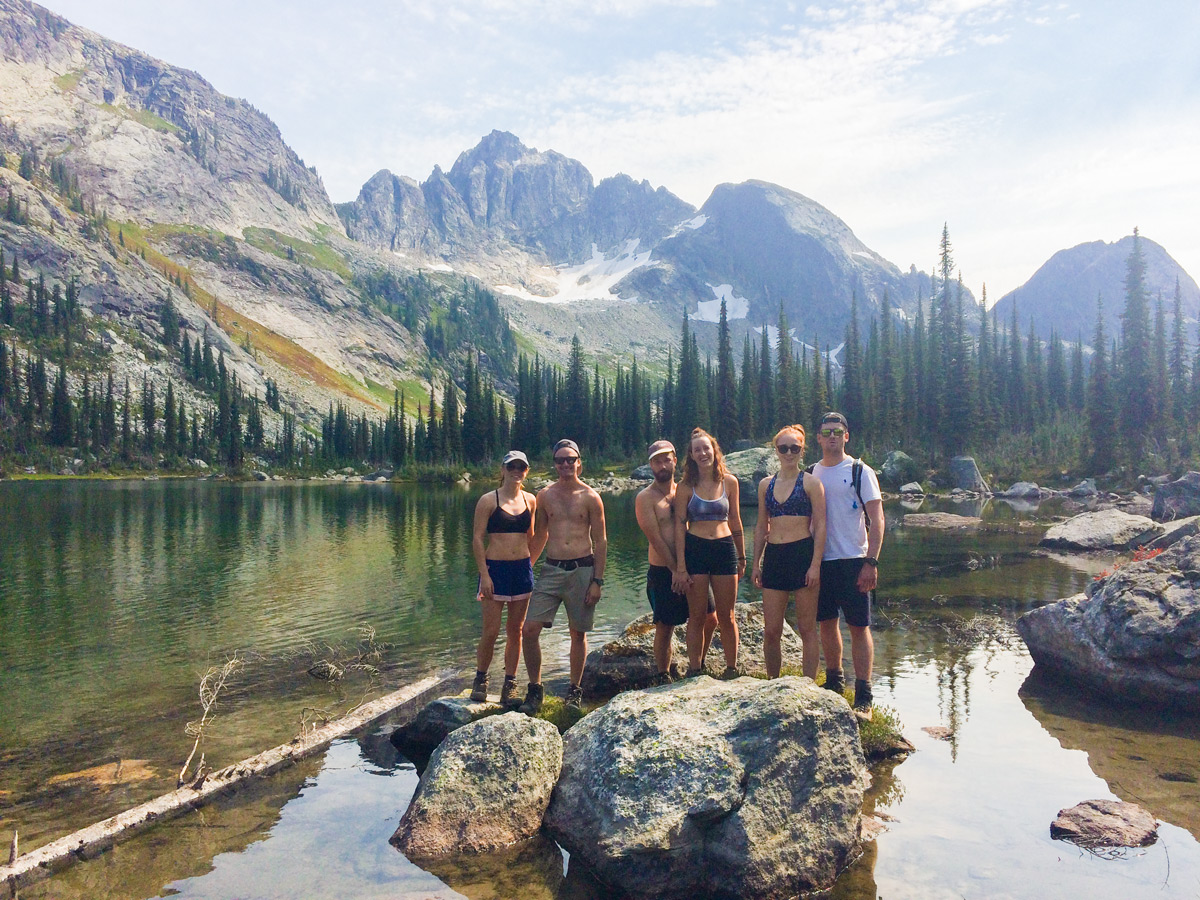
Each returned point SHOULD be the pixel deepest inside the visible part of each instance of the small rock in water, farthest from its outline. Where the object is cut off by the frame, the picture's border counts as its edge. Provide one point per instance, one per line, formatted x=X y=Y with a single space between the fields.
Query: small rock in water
x=326 y=671
x=1105 y=823
x=938 y=732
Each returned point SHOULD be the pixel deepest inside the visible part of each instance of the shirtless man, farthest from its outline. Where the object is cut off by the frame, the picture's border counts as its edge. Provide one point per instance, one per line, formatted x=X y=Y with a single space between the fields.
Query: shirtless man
x=569 y=524
x=656 y=518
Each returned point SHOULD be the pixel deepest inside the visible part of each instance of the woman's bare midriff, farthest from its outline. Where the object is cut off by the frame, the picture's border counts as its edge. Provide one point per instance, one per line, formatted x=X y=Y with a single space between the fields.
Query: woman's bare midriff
x=507 y=546
x=788 y=529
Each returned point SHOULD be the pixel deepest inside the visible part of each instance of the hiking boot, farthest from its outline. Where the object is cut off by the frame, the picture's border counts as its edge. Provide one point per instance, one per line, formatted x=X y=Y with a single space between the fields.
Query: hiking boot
x=479 y=688
x=694 y=673
x=574 y=698
x=510 y=697
x=534 y=697
x=730 y=673
x=863 y=700
x=835 y=681
x=661 y=678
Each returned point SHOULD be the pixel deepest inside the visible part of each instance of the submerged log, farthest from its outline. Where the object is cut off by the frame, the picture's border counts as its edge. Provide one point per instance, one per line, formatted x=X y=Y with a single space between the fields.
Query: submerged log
x=95 y=839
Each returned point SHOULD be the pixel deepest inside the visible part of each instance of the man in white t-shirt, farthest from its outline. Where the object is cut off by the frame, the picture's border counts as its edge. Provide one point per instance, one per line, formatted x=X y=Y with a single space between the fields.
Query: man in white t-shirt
x=851 y=562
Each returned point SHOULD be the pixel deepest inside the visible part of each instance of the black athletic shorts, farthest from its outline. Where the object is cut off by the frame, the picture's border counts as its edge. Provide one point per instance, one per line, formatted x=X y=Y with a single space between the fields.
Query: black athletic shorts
x=839 y=591
x=669 y=607
x=785 y=565
x=703 y=556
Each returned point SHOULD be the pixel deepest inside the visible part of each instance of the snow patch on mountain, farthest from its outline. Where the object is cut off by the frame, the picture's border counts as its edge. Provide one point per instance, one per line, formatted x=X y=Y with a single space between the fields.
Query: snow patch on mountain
x=591 y=280
x=735 y=307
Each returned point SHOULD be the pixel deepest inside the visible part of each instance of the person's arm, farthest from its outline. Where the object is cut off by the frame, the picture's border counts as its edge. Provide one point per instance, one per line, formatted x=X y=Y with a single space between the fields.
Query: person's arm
x=643 y=508
x=541 y=528
x=816 y=525
x=599 y=548
x=733 y=491
x=483 y=509
x=529 y=536
x=761 y=528
x=868 y=577
x=680 y=579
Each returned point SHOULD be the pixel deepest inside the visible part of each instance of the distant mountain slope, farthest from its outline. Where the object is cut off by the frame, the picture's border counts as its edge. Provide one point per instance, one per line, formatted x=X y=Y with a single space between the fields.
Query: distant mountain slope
x=760 y=245
x=1062 y=294
x=148 y=140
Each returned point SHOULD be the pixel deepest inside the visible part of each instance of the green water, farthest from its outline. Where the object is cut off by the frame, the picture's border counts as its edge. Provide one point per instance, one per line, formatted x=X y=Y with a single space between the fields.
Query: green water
x=116 y=597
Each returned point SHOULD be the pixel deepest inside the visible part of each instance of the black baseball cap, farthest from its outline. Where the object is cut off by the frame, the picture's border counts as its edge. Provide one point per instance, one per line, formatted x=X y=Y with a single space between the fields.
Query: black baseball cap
x=831 y=417
x=565 y=442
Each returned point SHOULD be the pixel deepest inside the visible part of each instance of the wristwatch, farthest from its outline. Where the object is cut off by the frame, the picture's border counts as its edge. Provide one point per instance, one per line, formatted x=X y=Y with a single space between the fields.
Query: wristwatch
x=871 y=561
x=599 y=581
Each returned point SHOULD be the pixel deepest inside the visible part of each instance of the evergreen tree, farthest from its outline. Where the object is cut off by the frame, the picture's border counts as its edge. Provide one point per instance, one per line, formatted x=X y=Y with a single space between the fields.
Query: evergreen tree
x=1179 y=412
x=725 y=414
x=1102 y=430
x=61 y=428
x=1135 y=379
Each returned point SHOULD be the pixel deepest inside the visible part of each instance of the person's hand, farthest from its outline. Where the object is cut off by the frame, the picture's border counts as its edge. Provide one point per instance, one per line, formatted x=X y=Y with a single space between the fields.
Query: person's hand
x=741 y=569
x=593 y=594
x=868 y=577
x=757 y=576
x=681 y=581
x=813 y=578
x=486 y=588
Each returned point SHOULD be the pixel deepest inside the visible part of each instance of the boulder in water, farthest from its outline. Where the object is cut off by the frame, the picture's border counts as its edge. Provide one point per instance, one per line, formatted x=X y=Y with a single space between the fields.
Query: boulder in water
x=745 y=788
x=898 y=467
x=486 y=788
x=964 y=475
x=1177 y=500
x=1105 y=823
x=1102 y=529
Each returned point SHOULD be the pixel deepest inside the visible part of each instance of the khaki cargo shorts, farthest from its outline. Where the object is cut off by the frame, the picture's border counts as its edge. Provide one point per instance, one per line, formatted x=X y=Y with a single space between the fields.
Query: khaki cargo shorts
x=555 y=587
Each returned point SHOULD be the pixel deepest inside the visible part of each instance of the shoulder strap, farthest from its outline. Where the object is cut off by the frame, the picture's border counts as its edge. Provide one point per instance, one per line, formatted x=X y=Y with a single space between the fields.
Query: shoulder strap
x=810 y=469
x=856 y=470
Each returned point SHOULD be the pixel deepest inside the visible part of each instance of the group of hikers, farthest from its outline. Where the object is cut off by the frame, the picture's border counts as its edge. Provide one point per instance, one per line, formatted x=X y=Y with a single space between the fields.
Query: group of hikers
x=817 y=540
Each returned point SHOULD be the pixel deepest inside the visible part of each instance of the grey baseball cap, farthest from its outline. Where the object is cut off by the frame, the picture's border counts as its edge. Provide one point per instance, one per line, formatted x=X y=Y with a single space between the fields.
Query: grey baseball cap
x=512 y=455
x=566 y=442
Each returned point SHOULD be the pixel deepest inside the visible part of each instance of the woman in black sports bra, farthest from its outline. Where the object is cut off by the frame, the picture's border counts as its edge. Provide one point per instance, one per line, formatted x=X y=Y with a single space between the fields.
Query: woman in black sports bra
x=500 y=541
x=789 y=543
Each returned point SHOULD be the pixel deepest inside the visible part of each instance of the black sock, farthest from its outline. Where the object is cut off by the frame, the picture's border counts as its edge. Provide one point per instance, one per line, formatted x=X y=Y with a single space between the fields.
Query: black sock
x=510 y=677
x=479 y=673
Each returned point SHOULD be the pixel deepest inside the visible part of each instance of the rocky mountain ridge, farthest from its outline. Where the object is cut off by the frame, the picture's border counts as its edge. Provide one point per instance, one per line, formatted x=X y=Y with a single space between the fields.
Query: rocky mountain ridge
x=1062 y=294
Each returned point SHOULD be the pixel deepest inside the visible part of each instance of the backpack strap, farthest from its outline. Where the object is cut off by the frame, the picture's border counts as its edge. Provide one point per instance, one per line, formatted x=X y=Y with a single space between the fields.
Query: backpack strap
x=811 y=468
x=856 y=470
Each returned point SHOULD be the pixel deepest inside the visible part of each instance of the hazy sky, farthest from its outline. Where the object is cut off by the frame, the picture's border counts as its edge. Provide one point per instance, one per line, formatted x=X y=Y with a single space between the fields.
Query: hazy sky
x=1028 y=127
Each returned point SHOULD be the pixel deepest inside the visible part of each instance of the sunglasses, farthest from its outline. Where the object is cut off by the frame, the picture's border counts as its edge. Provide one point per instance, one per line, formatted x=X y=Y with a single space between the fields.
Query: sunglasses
x=516 y=466
x=789 y=448
x=564 y=460
x=832 y=432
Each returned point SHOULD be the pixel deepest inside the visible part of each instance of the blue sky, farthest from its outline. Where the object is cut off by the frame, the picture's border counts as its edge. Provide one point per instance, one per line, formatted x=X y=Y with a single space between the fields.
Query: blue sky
x=1026 y=126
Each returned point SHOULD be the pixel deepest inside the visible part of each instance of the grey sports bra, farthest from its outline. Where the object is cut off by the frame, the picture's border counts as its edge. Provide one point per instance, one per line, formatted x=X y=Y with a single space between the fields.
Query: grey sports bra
x=701 y=510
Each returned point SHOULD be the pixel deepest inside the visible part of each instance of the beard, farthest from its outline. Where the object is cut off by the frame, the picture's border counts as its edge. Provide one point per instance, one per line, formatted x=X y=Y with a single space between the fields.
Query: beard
x=664 y=477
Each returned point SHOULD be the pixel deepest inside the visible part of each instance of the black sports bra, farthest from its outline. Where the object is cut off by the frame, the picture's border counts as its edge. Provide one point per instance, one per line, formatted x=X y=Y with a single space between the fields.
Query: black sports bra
x=797 y=503
x=501 y=522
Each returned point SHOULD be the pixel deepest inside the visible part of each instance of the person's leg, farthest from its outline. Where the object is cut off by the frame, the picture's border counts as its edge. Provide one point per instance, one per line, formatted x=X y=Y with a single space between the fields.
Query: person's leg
x=806 y=626
x=831 y=645
x=862 y=650
x=663 y=633
x=531 y=633
x=512 y=646
x=697 y=613
x=578 y=655
x=492 y=612
x=725 y=596
x=774 y=610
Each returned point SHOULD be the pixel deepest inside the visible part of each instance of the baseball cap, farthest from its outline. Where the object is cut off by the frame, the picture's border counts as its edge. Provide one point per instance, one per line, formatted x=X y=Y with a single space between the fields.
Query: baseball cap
x=565 y=442
x=835 y=417
x=659 y=447
x=515 y=455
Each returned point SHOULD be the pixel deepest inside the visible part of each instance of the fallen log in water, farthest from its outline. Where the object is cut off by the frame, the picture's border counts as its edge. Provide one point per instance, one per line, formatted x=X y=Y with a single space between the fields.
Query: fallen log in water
x=95 y=839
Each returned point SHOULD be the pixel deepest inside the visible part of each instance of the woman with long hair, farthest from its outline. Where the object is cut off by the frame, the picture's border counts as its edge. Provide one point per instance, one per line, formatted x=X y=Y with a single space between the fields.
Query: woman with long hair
x=710 y=549
x=789 y=542
x=504 y=518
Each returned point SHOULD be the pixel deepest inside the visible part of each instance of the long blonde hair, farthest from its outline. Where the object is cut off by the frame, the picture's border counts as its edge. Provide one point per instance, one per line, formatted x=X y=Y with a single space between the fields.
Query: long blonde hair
x=691 y=469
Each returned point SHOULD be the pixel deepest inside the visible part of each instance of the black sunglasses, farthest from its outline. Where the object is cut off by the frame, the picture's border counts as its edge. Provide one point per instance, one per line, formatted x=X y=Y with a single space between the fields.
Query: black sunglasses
x=563 y=460
x=789 y=448
x=516 y=466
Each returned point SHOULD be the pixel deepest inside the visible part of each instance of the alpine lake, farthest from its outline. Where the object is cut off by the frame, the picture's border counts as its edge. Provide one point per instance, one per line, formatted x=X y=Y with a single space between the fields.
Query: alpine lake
x=116 y=597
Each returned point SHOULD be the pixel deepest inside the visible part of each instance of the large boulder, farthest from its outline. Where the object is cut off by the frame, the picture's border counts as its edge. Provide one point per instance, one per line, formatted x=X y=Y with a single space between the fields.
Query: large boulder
x=486 y=787
x=1102 y=529
x=1176 y=531
x=628 y=661
x=750 y=467
x=737 y=789
x=1022 y=490
x=1136 y=638
x=1084 y=490
x=1177 y=500
x=440 y=717
x=941 y=521
x=965 y=475
x=899 y=468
